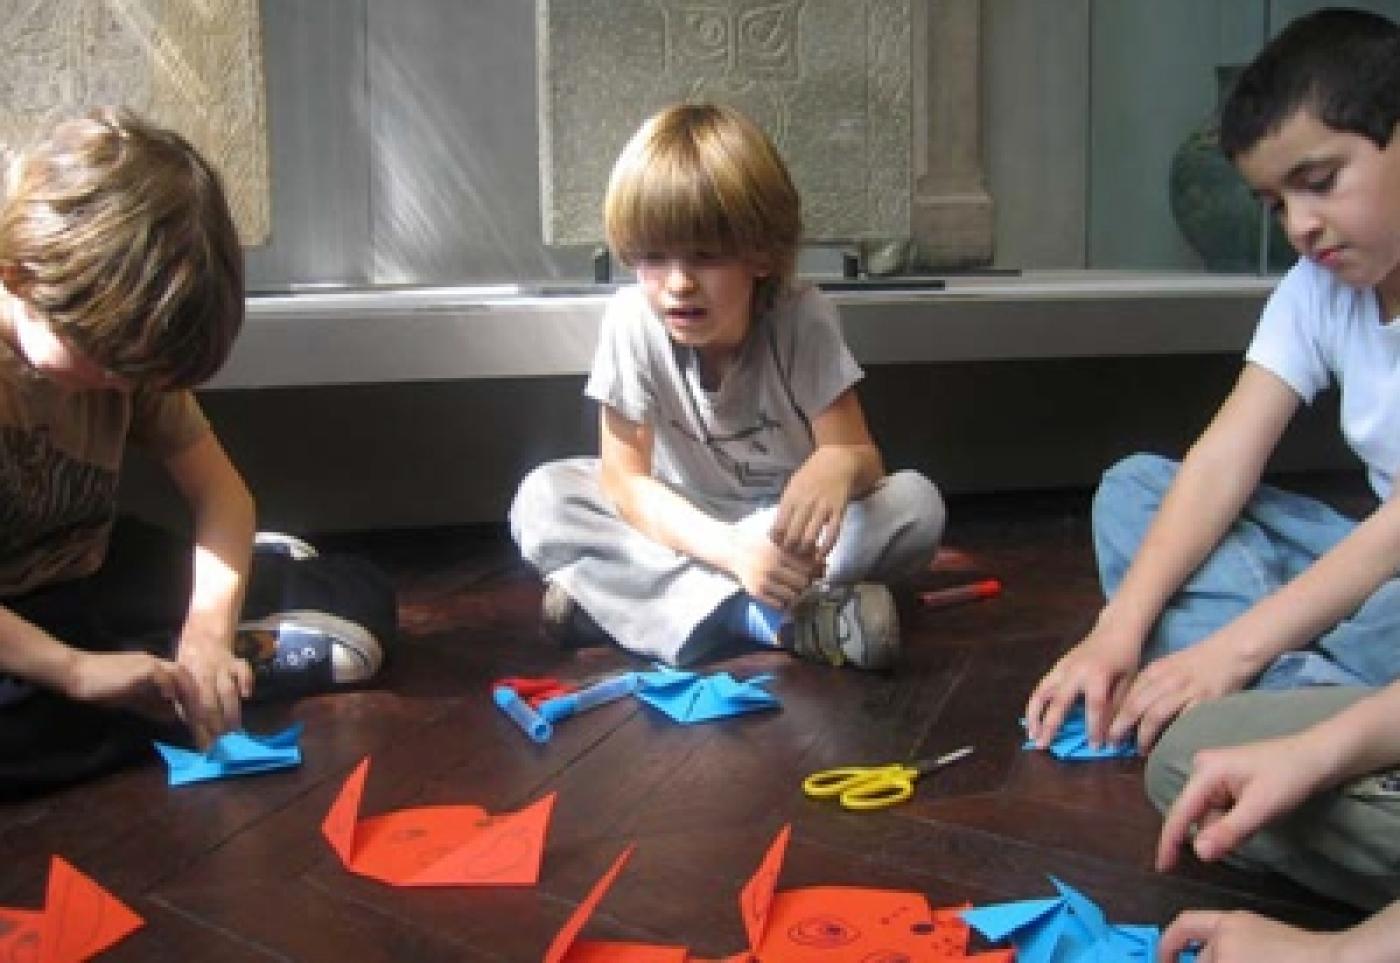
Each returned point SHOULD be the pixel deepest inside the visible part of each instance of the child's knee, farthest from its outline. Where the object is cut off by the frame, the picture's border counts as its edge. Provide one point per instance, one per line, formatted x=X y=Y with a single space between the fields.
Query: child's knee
x=541 y=489
x=923 y=503
x=1139 y=478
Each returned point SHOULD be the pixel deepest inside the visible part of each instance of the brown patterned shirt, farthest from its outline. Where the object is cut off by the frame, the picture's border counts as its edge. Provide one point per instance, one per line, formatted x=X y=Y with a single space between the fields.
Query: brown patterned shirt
x=60 y=454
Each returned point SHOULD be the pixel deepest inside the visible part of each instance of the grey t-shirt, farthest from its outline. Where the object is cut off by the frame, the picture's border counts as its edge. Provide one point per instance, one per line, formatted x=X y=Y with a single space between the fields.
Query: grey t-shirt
x=731 y=450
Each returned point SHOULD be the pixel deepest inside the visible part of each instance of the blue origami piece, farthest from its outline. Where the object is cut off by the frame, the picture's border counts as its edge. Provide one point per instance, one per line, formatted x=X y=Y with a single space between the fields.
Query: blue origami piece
x=1072 y=741
x=234 y=754
x=688 y=697
x=1067 y=929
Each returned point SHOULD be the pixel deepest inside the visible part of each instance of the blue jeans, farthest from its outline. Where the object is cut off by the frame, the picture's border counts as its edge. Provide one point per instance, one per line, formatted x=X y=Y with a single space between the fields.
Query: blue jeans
x=1276 y=537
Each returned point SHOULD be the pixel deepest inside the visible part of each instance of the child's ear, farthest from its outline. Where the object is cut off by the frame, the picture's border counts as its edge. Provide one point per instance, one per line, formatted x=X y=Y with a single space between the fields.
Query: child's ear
x=15 y=279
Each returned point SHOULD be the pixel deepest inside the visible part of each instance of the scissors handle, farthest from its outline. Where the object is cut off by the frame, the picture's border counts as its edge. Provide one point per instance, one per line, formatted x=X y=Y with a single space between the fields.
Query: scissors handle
x=833 y=782
x=889 y=789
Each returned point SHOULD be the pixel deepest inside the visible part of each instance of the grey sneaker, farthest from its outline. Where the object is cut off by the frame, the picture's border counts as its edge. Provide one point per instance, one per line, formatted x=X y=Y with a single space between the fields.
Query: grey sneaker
x=565 y=623
x=845 y=625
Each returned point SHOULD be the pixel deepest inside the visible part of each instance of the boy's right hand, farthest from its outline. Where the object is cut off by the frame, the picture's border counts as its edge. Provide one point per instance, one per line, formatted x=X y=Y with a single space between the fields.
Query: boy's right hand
x=137 y=681
x=770 y=574
x=1099 y=669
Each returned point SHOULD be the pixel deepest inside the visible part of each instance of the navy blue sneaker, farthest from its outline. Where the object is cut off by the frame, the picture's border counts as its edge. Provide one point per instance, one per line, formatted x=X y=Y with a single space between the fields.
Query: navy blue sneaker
x=306 y=652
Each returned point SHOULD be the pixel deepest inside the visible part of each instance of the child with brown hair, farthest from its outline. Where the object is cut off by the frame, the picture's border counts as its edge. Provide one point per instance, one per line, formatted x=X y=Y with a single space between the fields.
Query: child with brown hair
x=738 y=491
x=121 y=287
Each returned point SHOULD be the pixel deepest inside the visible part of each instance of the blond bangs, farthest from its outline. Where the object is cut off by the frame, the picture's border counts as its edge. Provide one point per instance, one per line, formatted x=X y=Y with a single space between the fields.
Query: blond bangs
x=667 y=205
x=702 y=177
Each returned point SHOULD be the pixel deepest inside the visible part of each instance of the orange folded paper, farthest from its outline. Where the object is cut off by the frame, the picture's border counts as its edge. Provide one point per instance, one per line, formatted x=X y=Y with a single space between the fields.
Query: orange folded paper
x=437 y=845
x=79 y=920
x=567 y=948
x=840 y=923
x=833 y=923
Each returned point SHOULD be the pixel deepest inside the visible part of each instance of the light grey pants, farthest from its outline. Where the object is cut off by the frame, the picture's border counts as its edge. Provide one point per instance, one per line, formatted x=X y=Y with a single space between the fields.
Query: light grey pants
x=651 y=599
x=1344 y=843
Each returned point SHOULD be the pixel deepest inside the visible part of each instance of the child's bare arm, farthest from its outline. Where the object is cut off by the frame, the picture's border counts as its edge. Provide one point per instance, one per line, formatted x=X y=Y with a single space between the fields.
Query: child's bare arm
x=1216 y=479
x=845 y=465
x=665 y=516
x=223 y=537
x=132 y=680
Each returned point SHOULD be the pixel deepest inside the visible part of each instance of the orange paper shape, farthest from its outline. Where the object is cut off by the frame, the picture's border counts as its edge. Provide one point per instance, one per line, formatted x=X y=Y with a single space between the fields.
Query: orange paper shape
x=846 y=923
x=437 y=845
x=827 y=923
x=567 y=948
x=79 y=920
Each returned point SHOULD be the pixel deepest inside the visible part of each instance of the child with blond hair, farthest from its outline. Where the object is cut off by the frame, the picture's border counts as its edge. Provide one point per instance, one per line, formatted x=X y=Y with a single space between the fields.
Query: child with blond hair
x=738 y=490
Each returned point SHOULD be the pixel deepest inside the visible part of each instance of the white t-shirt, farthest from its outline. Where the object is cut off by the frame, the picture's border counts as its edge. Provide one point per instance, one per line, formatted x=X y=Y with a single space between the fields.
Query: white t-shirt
x=733 y=449
x=1316 y=330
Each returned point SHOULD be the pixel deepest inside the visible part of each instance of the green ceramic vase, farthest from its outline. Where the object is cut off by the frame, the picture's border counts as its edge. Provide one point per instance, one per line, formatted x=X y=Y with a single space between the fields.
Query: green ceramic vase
x=1213 y=206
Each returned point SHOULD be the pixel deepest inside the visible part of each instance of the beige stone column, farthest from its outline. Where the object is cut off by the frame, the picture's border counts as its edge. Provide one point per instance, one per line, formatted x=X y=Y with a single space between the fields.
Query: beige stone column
x=951 y=212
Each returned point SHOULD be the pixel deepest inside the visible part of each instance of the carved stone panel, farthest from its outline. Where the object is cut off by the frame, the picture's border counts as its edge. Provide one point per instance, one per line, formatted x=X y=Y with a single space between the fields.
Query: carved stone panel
x=830 y=81
x=193 y=66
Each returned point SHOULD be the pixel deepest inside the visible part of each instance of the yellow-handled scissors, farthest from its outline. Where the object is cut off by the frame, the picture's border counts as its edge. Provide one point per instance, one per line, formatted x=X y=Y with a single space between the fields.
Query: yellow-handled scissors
x=874 y=787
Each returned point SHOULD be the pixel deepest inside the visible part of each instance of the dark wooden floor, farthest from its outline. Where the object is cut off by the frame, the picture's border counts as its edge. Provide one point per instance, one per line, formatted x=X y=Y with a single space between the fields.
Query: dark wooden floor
x=238 y=870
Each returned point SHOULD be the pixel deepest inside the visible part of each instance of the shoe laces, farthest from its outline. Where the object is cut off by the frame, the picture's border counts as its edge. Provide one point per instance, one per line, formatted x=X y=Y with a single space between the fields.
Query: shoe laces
x=825 y=628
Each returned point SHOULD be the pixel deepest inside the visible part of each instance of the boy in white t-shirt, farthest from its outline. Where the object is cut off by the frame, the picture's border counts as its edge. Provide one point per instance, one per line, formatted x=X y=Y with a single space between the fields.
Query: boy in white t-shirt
x=1237 y=585
x=1216 y=583
x=738 y=490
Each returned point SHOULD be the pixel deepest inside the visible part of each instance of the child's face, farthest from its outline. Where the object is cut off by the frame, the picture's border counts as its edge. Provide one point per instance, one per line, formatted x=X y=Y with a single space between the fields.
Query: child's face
x=54 y=358
x=1337 y=196
x=704 y=299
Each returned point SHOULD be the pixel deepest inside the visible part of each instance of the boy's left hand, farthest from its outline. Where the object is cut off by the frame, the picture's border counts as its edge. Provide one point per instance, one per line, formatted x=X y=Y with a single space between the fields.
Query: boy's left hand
x=814 y=503
x=222 y=681
x=1169 y=686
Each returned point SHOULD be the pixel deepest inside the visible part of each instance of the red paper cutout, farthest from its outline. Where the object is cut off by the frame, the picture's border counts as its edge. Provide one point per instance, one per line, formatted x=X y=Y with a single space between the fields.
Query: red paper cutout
x=567 y=948
x=79 y=920
x=847 y=923
x=437 y=845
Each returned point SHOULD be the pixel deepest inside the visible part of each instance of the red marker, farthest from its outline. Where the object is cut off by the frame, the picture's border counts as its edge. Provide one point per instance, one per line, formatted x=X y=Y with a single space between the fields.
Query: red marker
x=973 y=591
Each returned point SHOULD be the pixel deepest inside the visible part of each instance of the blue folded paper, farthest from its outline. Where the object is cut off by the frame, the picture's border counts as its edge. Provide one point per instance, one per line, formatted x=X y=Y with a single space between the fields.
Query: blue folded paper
x=234 y=754
x=1072 y=741
x=1070 y=928
x=688 y=697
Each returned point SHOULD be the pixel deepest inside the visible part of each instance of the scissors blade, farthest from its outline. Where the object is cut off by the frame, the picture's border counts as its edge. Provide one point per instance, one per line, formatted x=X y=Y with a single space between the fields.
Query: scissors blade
x=927 y=766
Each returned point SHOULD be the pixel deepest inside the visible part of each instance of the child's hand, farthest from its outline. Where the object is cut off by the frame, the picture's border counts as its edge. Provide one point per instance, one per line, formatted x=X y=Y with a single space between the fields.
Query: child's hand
x=1241 y=937
x=221 y=683
x=1099 y=669
x=137 y=681
x=1237 y=790
x=768 y=573
x=1172 y=684
x=814 y=503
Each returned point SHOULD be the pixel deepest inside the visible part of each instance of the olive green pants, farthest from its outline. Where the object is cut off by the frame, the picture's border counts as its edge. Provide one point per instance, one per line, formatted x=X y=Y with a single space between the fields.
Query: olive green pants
x=1343 y=843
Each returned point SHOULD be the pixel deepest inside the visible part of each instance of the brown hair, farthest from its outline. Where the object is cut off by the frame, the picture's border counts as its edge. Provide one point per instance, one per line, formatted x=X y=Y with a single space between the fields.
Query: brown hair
x=117 y=232
x=705 y=177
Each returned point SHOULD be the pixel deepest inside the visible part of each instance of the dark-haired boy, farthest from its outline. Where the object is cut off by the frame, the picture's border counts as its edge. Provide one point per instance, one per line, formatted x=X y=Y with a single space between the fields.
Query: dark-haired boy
x=1237 y=585
x=1215 y=582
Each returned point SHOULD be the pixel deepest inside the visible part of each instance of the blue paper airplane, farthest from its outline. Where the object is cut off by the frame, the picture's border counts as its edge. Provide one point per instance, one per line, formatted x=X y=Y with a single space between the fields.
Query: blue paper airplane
x=688 y=697
x=1069 y=928
x=234 y=754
